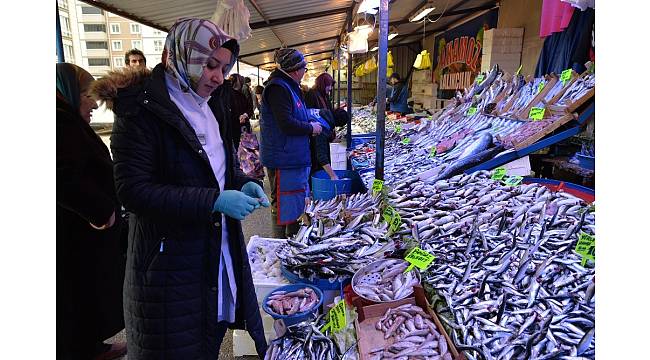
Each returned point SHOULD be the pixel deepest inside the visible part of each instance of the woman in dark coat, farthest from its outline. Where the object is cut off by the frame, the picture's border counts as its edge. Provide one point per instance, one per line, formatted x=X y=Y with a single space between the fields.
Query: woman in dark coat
x=241 y=109
x=90 y=261
x=188 y=277
x=318 y=98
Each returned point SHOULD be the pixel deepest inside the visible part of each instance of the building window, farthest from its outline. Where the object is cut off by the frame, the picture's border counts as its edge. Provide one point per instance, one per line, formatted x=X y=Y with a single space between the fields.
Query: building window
x=68 y=53
x=117 y=45
x=95 y=45
x=135 y=28
x=65 y=26
x=63 y=4
x=99 y=62
x=136 y=44
x=90 y=10
x=118 y=62
x=157 y=33
x=94 y=28
x=158 y=45
x=115 y=28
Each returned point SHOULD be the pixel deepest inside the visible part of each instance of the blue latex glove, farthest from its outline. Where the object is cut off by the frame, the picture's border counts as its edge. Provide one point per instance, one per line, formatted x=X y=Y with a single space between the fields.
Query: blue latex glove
x=235 y=204
x=255 y=191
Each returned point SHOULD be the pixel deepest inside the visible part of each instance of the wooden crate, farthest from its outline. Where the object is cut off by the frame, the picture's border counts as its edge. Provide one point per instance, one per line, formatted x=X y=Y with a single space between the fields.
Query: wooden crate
x=547 y=130
x=523 y=114
x=370 y=338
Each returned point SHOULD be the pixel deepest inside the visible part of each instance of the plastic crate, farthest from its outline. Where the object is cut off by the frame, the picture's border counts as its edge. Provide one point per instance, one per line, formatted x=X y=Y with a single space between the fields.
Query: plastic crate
x=324 y=188
x=297 y=317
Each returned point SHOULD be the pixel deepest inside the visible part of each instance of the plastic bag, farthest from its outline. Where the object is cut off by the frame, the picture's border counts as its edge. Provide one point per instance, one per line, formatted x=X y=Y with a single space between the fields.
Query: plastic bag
x=389 y=60
x=370 y=65
x=248 y=154
x=422 y=61
x=232 y=16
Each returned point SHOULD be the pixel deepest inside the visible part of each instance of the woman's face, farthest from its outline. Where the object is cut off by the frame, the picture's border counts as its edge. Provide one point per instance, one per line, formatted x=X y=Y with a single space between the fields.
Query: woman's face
x=328 y=89
x=86 y=105
x=213 y=72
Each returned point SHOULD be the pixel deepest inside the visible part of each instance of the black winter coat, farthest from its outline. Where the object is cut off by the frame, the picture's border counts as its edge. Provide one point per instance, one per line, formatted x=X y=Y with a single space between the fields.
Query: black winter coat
x=164 y=179
x=90 y=263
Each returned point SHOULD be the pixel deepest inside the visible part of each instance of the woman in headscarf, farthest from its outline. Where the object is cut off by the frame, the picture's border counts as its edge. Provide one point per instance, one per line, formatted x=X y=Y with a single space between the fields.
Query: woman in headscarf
x=188 y=278
x=241 y=109
x=90 y=259
x=318 y=97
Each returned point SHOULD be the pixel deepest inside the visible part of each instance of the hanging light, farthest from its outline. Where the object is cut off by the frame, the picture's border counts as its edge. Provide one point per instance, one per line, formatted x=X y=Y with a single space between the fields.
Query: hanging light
x=375 y=48
x=424 y=11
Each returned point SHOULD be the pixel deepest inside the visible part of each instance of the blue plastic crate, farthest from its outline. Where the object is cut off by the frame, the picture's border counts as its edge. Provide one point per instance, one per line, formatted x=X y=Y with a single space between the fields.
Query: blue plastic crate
x=324 y=188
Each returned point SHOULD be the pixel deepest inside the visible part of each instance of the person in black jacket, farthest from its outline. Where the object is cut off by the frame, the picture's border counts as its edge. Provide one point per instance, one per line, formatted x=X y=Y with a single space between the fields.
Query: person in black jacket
x=90 y=261
x=188 y=278
x=241 y=109
x=318 y=98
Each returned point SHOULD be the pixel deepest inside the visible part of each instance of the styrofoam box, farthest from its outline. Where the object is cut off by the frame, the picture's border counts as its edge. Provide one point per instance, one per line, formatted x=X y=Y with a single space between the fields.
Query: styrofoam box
x=263 y=287
x=339 y=165
x=243 y=345
x=421 y=76
x=338 y=157
x=504 y=32
x=502 y=49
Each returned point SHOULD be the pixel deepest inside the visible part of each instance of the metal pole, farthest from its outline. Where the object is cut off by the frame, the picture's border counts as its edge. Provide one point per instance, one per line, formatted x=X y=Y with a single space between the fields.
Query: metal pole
x=258 y=76
x=349 y=134
x=237 y=65
x=59 y=40
x=381 y=89
x=332 y=92
x=338 y=78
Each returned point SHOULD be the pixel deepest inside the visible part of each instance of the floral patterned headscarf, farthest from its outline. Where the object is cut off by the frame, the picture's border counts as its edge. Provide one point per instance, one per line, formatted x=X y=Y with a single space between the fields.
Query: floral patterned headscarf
x=189 y=44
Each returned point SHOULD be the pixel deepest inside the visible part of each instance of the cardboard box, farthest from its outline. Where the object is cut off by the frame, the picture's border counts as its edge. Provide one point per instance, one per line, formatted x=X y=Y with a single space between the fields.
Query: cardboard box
x=422 y=76
x=504 y=32
x=370 y=338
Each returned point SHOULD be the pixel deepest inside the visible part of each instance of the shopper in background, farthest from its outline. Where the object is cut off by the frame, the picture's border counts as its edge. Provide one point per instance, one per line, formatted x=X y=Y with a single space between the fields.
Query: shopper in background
x=257 y=99
x=246 y=90
x=284 y=144
x=240 y=109
x=135 y=58
x=399 y=95
x=89 y=258
x=318 y=97
x=188 y=277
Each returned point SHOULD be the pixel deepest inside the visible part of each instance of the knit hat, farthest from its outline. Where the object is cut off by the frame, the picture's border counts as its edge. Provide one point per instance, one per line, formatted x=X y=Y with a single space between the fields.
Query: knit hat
x=289 y=60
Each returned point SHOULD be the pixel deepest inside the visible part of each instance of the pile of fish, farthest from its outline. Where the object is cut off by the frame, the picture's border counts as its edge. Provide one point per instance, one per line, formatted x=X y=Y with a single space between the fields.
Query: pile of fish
x=510 y=283
x=303 y=341
x=385 y=280
x=416 y=336
x=460 y=137
x=265 y=265
x=338 y=237
x=289 y=303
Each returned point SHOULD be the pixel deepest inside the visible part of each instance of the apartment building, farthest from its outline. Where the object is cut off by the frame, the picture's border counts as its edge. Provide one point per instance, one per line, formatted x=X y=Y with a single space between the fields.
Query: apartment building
x=153 y=42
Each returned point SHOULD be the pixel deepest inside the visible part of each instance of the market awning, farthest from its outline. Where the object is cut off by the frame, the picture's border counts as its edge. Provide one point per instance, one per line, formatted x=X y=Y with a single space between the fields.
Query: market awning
x=312 y=26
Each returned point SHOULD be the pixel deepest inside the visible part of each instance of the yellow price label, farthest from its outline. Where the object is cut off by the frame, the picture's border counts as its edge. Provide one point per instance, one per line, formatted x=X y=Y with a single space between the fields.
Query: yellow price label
x=406 y=140
x=377 y=186
x=398 y=128
x=420 y=258
x=519 y=70
x=338 y=320
x=586 y=247
x=480 y=78
x=536 y=113
x=565 y=76
x=499 y=173
x=432 y=152
x=540 y=87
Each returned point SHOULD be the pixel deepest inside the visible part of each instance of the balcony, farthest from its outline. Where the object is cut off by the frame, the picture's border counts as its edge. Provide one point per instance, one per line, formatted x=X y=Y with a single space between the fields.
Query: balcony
x=97 y=53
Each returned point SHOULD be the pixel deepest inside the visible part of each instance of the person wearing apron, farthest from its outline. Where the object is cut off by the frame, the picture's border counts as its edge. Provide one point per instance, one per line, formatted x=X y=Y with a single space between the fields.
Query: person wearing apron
x=284 y=141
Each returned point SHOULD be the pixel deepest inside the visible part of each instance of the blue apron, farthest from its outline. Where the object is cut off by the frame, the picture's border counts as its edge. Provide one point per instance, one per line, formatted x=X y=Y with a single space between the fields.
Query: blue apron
x=292 y=190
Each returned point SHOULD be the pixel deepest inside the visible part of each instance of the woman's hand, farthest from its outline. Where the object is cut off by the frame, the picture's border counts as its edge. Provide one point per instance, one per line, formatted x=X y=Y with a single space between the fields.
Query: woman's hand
x=242 y=118
x=235 y=204
x=111 y=222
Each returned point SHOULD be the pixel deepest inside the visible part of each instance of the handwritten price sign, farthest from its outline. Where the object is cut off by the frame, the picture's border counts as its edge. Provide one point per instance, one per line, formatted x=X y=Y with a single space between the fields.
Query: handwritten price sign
x=586 y=247
x=420 y=258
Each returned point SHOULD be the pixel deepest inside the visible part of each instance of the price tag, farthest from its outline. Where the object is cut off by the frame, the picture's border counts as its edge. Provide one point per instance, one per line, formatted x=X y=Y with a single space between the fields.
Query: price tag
x=586 y=247
x=565 y=76
x=540 y=87
x=398 y=128
x=536 y=113
x=499 y=173
x=377 y=186
x=406 y=140
x=432 y=152
x=471 y=111
x=337 y=318
x=519 y=70
x=513 y=180
x=395 y=222
x=479 y=78
x=420 y=258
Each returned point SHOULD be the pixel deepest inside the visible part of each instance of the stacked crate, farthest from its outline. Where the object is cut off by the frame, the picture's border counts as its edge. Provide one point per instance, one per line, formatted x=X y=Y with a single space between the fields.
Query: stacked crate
x=423 y=90
x=502 y=47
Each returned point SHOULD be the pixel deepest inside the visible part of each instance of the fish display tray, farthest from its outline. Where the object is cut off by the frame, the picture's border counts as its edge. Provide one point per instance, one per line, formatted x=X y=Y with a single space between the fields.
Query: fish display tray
x=370 y=338
x=322 y=284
